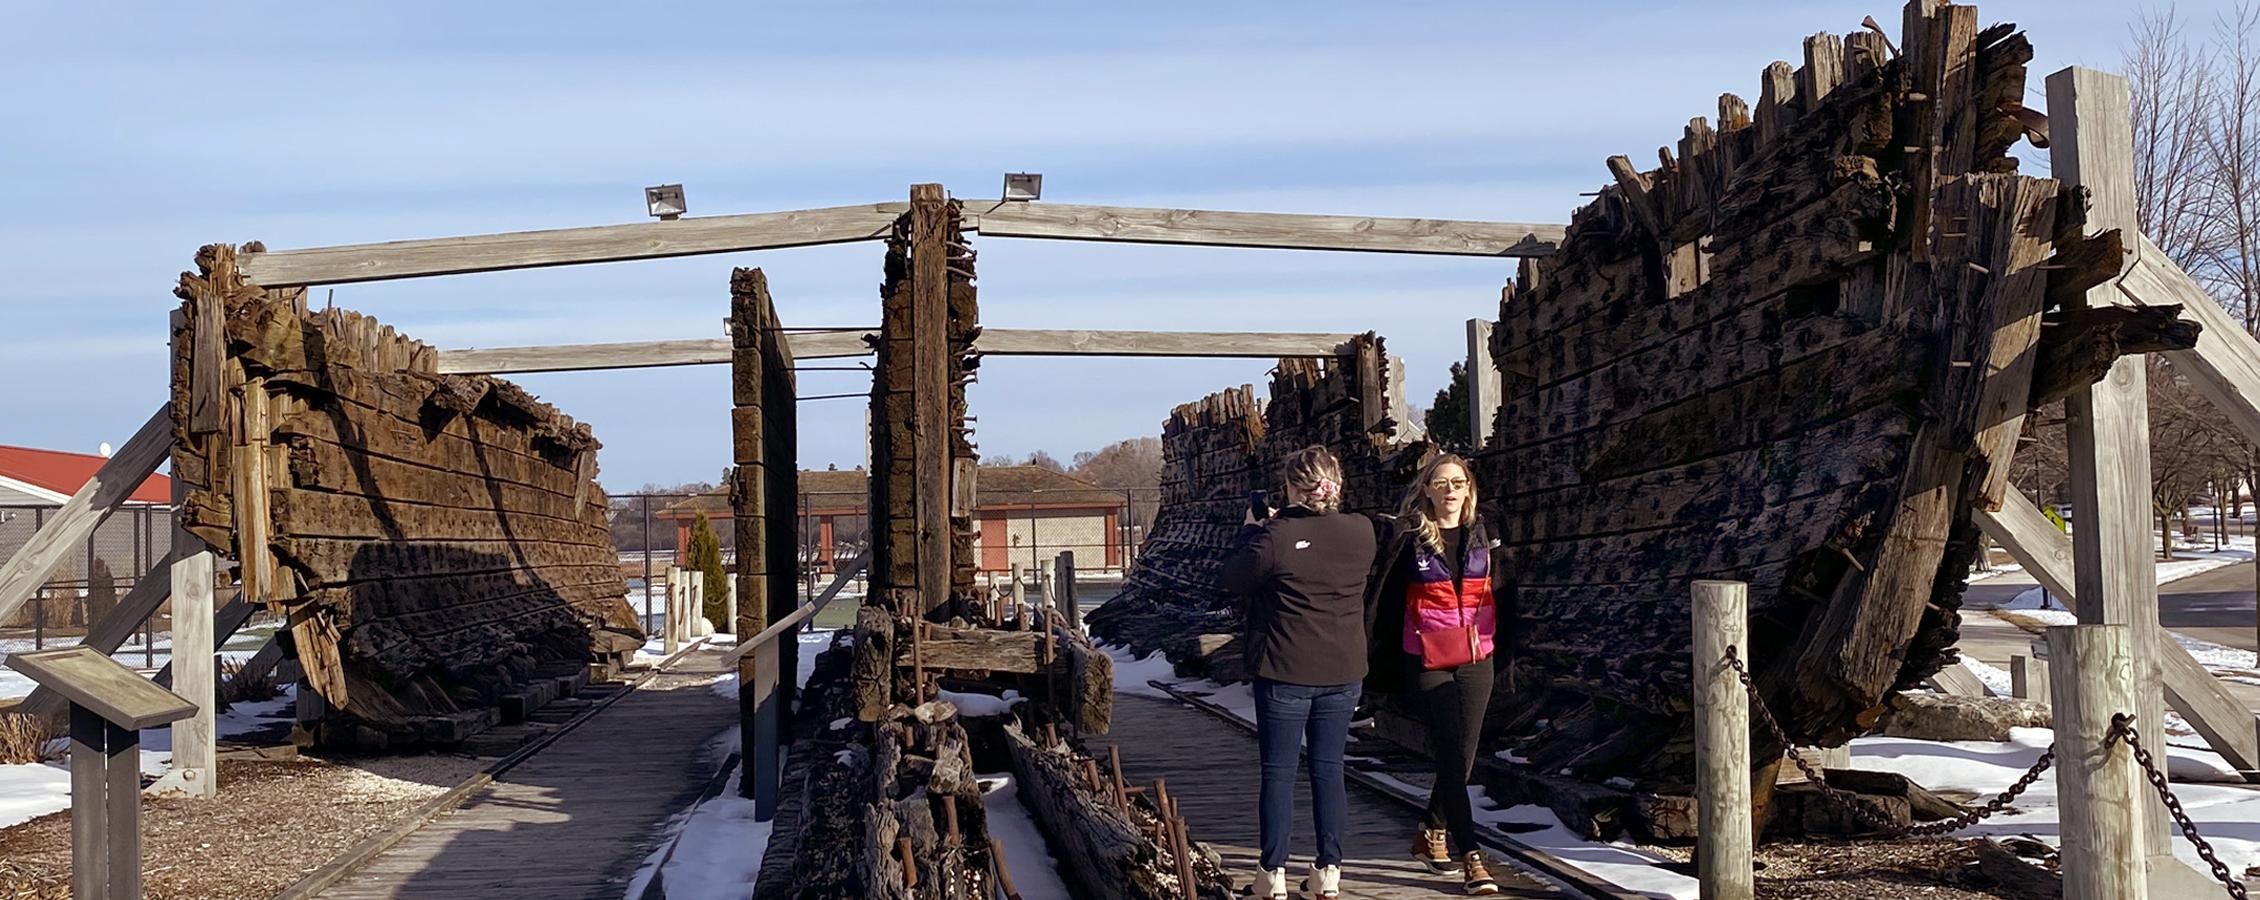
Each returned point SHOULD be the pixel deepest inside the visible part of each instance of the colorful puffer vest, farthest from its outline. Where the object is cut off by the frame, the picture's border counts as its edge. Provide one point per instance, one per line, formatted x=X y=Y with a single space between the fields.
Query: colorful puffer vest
x=1431 y=604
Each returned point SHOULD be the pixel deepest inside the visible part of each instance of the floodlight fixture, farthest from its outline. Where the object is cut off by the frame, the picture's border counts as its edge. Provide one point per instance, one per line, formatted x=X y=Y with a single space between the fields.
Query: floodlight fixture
x=1023 y=185
x=665 y=201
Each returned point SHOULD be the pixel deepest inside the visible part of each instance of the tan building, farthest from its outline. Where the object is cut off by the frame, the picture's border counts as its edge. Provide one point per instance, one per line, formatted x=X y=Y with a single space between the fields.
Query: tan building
x=1024 y=514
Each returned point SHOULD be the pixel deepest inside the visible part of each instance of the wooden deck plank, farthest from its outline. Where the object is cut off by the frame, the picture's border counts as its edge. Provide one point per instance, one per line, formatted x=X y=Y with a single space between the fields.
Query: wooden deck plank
x=576 y=819
x=1165 y=740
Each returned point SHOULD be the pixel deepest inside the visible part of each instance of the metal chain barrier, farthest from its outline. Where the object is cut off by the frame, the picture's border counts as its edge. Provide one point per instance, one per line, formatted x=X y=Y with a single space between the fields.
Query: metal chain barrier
x=1866 y=812
x=2122 y=729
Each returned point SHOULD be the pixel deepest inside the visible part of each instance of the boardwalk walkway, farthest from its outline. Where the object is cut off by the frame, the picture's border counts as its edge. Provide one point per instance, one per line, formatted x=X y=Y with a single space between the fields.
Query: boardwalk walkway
x=575 y=819
x=1210 y=768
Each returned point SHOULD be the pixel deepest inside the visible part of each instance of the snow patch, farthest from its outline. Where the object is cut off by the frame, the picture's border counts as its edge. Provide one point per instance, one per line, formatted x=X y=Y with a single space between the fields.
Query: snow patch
x=1034 y=871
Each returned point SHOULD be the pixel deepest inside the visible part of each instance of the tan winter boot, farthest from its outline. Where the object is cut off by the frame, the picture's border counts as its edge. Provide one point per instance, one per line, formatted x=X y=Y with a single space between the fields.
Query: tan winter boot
x=1478 y=875
x=1429 y=847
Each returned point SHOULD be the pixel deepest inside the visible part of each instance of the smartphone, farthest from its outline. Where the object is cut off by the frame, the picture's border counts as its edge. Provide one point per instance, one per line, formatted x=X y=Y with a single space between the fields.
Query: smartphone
x=1259 y=504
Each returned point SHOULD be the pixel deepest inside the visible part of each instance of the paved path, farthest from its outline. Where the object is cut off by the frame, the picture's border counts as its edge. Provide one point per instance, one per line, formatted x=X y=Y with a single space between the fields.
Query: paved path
x=2215 y=605
x=578 y=817
x=1211 y=770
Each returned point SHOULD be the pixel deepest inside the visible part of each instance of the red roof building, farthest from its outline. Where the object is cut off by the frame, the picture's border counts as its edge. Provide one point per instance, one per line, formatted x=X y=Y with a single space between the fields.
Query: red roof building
x=31 y=477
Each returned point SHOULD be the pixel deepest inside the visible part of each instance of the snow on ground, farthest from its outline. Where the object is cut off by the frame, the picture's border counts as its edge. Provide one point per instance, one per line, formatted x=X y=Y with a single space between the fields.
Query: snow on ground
x=703 y=851
x=1996 y=680
x=2228 y=817
x=31 y=790
x=1619 y=864
x=981 y=705
x=1034 y=872
x=711 y=841
x=14 y=684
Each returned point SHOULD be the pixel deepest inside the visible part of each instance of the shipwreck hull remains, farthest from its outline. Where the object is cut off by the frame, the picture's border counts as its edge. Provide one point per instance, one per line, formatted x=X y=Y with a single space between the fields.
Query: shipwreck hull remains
x=1797 y=354
x=437 y=543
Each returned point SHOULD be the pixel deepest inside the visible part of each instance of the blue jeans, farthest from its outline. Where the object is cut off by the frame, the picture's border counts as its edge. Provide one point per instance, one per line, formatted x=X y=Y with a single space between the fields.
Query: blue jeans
x=1288 y=715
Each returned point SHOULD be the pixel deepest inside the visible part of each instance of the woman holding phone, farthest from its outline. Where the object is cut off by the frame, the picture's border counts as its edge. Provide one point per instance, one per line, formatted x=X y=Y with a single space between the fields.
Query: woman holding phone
x=1302 y=573
x=1435 y=595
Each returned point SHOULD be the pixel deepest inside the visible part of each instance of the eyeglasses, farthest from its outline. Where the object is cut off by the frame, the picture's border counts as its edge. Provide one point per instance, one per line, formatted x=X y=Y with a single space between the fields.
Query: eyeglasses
x=1448 y=484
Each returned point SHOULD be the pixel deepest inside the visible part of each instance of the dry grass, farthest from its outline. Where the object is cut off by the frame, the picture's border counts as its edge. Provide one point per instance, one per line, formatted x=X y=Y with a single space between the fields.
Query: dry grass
x=25 y=738
x=236 y=688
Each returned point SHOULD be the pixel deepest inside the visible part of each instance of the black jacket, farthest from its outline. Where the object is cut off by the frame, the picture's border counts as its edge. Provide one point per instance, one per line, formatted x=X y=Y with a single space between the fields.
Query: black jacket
x=1303 y=577
x=1386 y=600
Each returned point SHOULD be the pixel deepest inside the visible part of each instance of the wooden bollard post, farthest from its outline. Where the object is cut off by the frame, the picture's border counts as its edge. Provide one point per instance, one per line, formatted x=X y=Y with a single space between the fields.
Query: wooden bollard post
x=1019 y=590
x=694 y=604
x=2028 y=678
x=1063 y=579
x=1722 y=743
x=2098 y=786
x=671 y=629
x=729 y=606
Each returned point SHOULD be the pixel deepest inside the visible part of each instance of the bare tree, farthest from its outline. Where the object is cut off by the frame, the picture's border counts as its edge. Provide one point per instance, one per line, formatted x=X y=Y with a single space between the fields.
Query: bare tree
x=2171 y=85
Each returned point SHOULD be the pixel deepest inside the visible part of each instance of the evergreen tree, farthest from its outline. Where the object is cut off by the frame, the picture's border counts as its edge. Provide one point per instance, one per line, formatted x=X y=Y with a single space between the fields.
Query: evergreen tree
x=706 y=556
x=1446 y=420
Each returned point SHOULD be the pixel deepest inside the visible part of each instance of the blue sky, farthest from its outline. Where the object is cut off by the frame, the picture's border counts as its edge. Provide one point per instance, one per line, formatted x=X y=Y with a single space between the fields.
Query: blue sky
x=136 y=132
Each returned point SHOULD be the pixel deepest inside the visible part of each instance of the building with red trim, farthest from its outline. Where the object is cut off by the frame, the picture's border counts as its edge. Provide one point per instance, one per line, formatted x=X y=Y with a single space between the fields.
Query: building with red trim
x=1024 y=514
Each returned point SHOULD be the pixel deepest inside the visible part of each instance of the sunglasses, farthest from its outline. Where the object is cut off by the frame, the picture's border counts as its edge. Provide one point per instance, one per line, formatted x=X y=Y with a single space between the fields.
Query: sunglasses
x=1448 y=484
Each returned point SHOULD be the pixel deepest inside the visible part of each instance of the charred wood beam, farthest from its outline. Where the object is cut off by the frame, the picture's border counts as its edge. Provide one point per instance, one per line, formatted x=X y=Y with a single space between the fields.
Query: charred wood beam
x=2079 y=346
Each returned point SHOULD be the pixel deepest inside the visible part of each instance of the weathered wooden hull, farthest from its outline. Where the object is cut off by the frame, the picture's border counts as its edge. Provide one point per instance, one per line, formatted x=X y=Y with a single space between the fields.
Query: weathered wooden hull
x=1798 y=354
x=437 y=542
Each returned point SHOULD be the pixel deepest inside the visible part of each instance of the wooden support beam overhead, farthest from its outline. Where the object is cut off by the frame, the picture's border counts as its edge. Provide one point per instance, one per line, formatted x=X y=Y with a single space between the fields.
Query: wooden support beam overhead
x=568 y=246
x=1065 y=342
x=867 y=222
x=831 y=345
x=1289 y=231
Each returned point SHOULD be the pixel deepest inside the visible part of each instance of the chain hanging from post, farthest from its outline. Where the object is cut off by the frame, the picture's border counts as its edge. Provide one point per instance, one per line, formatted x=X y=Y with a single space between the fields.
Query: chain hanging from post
x=1867 y=812
x=2122 y=729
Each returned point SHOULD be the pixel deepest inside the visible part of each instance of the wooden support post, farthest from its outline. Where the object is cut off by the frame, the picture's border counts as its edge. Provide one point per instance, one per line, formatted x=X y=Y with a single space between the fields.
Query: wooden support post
x=2028 y=678
x=2098 y=786
x=1019 y=588
x=195 y=754
x=1722 y=744
x=1064 y=582
x=672 y=628
x=694 y=606
x=2114 y=554
x=766 y=757
x=90 y=831
x=729 y=604
x=930 y=386
x=1484 y=389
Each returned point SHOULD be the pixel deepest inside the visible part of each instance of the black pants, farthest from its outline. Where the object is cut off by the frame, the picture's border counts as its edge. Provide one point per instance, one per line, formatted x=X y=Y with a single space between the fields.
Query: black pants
x=1451 y=703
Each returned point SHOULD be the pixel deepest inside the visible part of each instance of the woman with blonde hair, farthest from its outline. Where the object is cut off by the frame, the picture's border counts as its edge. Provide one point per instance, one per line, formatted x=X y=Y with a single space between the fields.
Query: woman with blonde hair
x=1303 y=575
x=1436 y=592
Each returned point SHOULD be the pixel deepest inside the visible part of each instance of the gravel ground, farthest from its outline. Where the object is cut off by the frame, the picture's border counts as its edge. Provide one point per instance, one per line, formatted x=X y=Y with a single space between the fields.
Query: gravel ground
x=273 y=822
x=1928 y=869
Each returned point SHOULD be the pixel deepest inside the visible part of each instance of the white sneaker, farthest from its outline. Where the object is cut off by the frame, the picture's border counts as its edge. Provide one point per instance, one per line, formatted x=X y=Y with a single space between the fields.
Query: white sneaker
x=1271 y=885
x=1323 y=883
